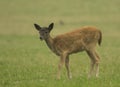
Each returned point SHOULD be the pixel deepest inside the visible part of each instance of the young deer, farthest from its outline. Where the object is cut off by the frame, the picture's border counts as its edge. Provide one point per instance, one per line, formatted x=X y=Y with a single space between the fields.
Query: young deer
x=83 y=39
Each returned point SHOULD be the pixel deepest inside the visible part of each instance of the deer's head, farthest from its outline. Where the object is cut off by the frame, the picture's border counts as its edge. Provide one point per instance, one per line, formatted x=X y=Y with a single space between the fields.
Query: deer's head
x=44 y=31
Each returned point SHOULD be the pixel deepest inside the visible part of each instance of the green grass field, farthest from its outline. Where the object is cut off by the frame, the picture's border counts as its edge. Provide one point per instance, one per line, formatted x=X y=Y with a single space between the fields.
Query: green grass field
x=25 y=61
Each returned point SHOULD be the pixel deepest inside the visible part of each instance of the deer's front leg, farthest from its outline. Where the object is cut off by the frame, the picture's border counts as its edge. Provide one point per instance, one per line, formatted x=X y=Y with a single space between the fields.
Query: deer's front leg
x=61 y=63
x=67 y=67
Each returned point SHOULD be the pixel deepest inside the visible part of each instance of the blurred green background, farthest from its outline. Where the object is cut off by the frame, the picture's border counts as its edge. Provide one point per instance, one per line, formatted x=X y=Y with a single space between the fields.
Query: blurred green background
x=26 y=61
x=17 y=17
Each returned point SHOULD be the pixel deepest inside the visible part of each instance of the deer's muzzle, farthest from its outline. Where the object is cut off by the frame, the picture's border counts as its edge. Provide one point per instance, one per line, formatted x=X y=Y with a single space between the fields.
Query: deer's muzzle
x=41 y=38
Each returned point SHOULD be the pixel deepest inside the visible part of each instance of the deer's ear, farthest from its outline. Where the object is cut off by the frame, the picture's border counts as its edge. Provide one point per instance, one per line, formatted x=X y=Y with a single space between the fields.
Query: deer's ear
x=37 y=27
x=51 y=26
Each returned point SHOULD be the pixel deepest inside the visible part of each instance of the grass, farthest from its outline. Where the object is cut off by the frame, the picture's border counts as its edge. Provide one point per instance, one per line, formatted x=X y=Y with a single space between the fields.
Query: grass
x=26 y=61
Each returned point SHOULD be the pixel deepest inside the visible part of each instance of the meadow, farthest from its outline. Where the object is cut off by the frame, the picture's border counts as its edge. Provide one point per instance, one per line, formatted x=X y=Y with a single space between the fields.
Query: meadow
x=25 y=61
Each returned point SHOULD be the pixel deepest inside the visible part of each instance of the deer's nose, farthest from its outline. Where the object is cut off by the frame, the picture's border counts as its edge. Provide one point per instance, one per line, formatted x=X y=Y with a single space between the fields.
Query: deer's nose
x=41 y=38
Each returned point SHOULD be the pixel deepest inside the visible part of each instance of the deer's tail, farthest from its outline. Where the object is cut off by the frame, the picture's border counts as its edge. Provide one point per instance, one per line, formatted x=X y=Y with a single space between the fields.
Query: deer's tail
x=100 y=38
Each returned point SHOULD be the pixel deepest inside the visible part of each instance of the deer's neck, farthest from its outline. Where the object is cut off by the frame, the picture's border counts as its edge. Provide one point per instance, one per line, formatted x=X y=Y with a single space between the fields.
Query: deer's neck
x=50 y=43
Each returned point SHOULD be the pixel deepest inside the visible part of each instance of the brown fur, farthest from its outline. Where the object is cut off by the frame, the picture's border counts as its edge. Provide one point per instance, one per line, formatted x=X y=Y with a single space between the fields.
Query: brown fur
x=83 y=39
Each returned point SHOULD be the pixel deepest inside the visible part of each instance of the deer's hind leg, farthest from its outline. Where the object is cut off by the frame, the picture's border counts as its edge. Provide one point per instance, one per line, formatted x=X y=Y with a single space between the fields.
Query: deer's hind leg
x=97 y=64
x=94 y=61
